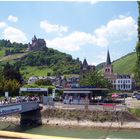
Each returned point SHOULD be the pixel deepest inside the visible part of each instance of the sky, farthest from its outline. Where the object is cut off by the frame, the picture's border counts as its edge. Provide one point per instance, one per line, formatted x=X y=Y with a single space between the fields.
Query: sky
x=84 y=29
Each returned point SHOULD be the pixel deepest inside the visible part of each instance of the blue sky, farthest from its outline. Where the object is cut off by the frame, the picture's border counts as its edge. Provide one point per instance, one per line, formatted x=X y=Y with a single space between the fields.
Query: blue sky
x=82 y=29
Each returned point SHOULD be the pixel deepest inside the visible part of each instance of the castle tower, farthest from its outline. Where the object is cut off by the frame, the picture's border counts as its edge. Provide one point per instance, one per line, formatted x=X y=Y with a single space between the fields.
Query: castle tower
x=85 y=65
x=108 y=69
x=37 y=44
x=34 y=38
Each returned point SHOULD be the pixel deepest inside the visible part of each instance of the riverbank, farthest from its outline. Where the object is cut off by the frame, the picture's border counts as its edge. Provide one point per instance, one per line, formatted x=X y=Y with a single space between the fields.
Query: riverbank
x=85 y=123
x=74 y=123
x=78 y=118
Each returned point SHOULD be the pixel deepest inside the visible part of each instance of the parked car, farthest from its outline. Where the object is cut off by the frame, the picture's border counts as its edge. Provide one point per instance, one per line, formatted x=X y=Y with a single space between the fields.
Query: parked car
x=138 y=96
x=115 y=96
x=113 y=101
x=56 y=99
x=123 y=96
x=129 y=94
x=134 y=95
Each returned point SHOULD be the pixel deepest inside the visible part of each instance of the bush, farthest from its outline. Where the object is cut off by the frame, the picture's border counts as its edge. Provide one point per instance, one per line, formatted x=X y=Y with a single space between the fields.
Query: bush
x=11 y=86
x=45 y=82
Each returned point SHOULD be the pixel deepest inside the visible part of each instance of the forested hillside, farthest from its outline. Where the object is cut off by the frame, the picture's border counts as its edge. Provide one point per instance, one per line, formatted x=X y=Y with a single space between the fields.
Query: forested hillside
x=45 y=61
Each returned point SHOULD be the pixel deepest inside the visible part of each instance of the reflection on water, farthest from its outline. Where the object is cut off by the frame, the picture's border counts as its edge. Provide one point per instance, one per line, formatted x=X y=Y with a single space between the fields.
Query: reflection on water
x=76 y=132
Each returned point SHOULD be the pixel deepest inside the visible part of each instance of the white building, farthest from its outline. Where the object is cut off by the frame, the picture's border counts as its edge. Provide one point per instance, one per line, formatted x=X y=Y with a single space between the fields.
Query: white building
x=123 y=82
x=33 y=79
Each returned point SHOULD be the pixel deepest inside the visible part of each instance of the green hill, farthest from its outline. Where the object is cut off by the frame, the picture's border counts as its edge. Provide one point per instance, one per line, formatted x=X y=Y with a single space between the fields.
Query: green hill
x=100 y=66
x=42 y=62
x=126 y=64
x=123 y=65
x=29 y=71
x=12 y=57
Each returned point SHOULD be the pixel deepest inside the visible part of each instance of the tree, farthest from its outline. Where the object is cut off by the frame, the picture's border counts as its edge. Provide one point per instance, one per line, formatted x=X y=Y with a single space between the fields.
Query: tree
x=10 y=73
x=137 y=67
x=95 y=79
x=12 y=86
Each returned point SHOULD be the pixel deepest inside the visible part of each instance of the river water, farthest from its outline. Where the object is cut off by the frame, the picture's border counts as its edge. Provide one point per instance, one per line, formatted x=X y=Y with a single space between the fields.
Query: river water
x=86 y=133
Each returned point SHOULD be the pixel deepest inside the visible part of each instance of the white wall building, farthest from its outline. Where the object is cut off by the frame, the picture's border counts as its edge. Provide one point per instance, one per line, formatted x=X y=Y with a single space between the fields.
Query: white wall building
x=33 y=79
x=122 y=82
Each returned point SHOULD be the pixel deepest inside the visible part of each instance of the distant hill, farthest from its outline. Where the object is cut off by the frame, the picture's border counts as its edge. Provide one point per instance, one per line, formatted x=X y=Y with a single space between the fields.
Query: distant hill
x=123 y=65
x=100 y=66
x=126 y=64
x=37 y=60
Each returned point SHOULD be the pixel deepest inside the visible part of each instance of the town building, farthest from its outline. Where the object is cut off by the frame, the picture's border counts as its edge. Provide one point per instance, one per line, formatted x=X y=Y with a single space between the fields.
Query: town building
x=32 y=80
x=66 y=81
x=123 y=82
x=119 y=81
x=85 y=68
x=58 y=81
x=79 y=95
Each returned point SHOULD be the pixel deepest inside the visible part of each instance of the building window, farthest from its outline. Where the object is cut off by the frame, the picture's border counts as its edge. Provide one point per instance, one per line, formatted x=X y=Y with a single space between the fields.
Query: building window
x=125 y=86
x=118 y=86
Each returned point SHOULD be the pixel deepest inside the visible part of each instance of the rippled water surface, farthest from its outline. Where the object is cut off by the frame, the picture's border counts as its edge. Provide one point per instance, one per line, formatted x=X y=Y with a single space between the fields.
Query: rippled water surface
x=75 y=132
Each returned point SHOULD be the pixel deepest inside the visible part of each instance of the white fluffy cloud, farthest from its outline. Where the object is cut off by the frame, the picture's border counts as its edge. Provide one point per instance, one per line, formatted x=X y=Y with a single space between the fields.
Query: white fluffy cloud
x=120 y=29
x=12 y=18
x=74 y=41
x=123 y=28
x=88 y=1
x=49 y=28
x=2 y=24
x=14 y=35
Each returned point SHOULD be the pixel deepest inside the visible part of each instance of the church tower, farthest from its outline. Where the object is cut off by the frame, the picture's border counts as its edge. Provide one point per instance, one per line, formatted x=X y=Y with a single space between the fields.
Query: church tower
x=108 y=69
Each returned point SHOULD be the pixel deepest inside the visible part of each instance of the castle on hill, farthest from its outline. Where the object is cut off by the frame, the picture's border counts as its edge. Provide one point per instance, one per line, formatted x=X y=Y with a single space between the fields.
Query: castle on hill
x=37 y=44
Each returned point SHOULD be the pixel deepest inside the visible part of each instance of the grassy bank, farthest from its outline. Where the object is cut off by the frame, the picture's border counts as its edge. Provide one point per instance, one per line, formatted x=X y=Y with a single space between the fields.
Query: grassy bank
x=134 y=111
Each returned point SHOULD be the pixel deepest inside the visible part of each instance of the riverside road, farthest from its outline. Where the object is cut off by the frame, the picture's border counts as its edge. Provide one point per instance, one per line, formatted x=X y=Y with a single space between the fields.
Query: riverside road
x=105 y=107
x=129 y=103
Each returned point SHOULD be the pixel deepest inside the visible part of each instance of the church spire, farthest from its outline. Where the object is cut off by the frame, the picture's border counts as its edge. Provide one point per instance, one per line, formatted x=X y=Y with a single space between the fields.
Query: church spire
x=85 y=64
x=108 y=60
